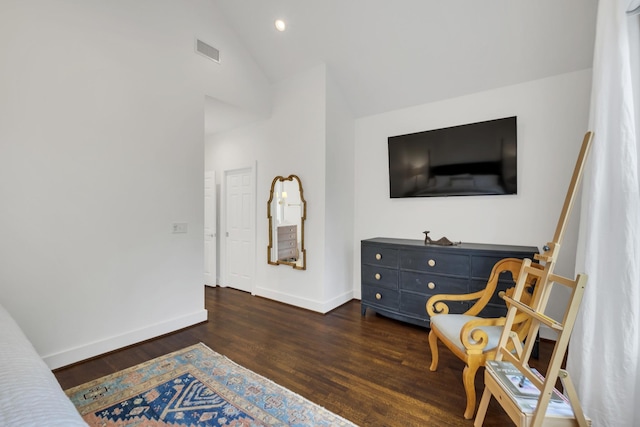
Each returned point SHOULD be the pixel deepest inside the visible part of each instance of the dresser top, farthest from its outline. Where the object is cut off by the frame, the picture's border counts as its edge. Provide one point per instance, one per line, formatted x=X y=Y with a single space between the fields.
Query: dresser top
x=464 y=246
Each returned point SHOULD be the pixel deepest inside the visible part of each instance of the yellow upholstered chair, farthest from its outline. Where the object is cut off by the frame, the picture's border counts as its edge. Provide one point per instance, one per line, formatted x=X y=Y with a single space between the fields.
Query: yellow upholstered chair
x=471 y=338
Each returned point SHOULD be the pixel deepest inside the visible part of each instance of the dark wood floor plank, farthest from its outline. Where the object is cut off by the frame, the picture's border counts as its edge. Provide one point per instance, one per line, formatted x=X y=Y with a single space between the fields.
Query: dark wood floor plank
x=369 y=369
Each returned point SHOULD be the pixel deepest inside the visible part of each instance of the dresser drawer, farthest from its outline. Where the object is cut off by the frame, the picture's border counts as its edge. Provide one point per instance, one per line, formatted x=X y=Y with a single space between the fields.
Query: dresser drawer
x=435 y=262
x=481 y=265
x=415 y=305
x=287 y=244
x=376 y=255
x=287 y=254
x=383 y=297
x=288 y=229
x=287 y=237
x=432 y=283
x=380 y=276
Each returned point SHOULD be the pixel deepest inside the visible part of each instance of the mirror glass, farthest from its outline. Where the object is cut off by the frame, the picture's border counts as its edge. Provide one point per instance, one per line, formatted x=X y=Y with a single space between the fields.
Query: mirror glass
x=287 y=211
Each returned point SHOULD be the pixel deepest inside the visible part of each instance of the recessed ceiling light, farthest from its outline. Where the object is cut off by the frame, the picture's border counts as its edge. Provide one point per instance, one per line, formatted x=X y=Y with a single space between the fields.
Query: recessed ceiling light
x=280 y=25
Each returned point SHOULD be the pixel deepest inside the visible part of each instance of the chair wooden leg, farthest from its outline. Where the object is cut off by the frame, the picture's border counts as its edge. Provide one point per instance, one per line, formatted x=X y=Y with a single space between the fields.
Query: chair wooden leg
x=468 y=379
x=433 y=345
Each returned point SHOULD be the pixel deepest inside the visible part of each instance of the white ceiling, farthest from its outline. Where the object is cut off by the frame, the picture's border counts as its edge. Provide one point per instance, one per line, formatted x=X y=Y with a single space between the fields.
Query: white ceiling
x=386 y=55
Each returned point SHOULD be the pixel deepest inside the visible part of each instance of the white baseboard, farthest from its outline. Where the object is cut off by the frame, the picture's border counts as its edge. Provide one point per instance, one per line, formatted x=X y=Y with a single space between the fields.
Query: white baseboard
x=106 y=345
x=309 y=304
x=547 y=333
x=337 y=301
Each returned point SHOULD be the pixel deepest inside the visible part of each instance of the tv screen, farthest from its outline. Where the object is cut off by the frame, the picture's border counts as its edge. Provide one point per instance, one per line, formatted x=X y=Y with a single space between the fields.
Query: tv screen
x=466 y=160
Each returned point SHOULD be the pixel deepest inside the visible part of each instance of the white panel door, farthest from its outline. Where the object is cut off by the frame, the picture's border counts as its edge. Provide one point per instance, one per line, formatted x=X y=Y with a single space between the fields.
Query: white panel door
x=210 y=228
x=240 y=232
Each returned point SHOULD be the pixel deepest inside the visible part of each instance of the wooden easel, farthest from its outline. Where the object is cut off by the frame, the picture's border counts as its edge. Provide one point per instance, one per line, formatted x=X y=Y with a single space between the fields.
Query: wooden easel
x=545 y=279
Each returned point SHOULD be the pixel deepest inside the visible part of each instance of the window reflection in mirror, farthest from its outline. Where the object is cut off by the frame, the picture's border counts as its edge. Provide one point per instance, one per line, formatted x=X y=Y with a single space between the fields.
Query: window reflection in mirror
x=287 y=211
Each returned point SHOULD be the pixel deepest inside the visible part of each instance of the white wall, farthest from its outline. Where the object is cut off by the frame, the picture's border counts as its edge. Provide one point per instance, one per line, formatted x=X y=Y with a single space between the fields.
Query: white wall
x=291 y=141
x=101 y=138
x=552 y=119
x=340 y=205
x=310 y=134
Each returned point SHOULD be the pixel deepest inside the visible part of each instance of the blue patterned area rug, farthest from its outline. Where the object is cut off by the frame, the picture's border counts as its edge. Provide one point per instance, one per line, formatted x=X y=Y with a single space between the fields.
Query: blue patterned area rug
x=194 y=387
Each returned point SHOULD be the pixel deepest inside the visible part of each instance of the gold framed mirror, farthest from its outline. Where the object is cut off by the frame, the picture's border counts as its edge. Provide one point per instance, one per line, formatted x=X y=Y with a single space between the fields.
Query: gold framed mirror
x=287 y=211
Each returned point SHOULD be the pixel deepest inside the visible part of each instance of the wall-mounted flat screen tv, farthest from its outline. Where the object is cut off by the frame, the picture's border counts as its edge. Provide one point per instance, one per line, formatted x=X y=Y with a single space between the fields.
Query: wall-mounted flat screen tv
x=467 y=160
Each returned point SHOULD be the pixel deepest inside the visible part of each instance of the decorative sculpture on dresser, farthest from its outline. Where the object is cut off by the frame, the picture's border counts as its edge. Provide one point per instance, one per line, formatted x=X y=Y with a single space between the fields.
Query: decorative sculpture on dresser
x=443 y=241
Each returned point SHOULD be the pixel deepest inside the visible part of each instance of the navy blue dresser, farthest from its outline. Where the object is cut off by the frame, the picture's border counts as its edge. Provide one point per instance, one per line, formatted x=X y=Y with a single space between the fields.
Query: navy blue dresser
x=399 y=275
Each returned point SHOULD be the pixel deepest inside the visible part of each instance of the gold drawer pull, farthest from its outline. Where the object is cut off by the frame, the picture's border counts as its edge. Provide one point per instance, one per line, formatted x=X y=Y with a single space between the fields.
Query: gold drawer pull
x=431 y=262
x=377 y=276
x=378 y=296
x=378 y=257
x=431 y=285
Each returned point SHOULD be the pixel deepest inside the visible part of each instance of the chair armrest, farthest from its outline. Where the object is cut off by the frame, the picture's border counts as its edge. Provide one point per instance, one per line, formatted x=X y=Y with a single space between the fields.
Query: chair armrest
x=475 y=339
x=436 y=303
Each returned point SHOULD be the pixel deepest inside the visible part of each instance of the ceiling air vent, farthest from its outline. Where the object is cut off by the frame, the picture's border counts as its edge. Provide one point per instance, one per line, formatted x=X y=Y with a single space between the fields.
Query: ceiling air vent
x=208 y=51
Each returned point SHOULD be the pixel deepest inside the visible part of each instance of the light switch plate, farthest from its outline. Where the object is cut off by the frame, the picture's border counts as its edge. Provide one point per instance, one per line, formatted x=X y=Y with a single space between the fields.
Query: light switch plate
x=179 y=227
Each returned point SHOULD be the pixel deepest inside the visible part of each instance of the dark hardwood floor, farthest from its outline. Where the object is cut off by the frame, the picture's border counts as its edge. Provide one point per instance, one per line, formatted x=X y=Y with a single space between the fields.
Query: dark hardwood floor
x=372 y=370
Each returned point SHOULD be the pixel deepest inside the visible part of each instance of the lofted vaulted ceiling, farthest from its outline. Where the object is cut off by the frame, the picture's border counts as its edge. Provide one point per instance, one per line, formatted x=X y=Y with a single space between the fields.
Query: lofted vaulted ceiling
x=386 y=55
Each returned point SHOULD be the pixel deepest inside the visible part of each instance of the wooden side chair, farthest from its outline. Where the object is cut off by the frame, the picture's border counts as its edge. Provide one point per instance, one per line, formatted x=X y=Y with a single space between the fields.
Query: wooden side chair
x=474 y=339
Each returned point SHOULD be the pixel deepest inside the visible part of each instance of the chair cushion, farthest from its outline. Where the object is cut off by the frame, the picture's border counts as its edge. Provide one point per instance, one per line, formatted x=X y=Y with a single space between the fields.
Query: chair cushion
x=450 y=325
